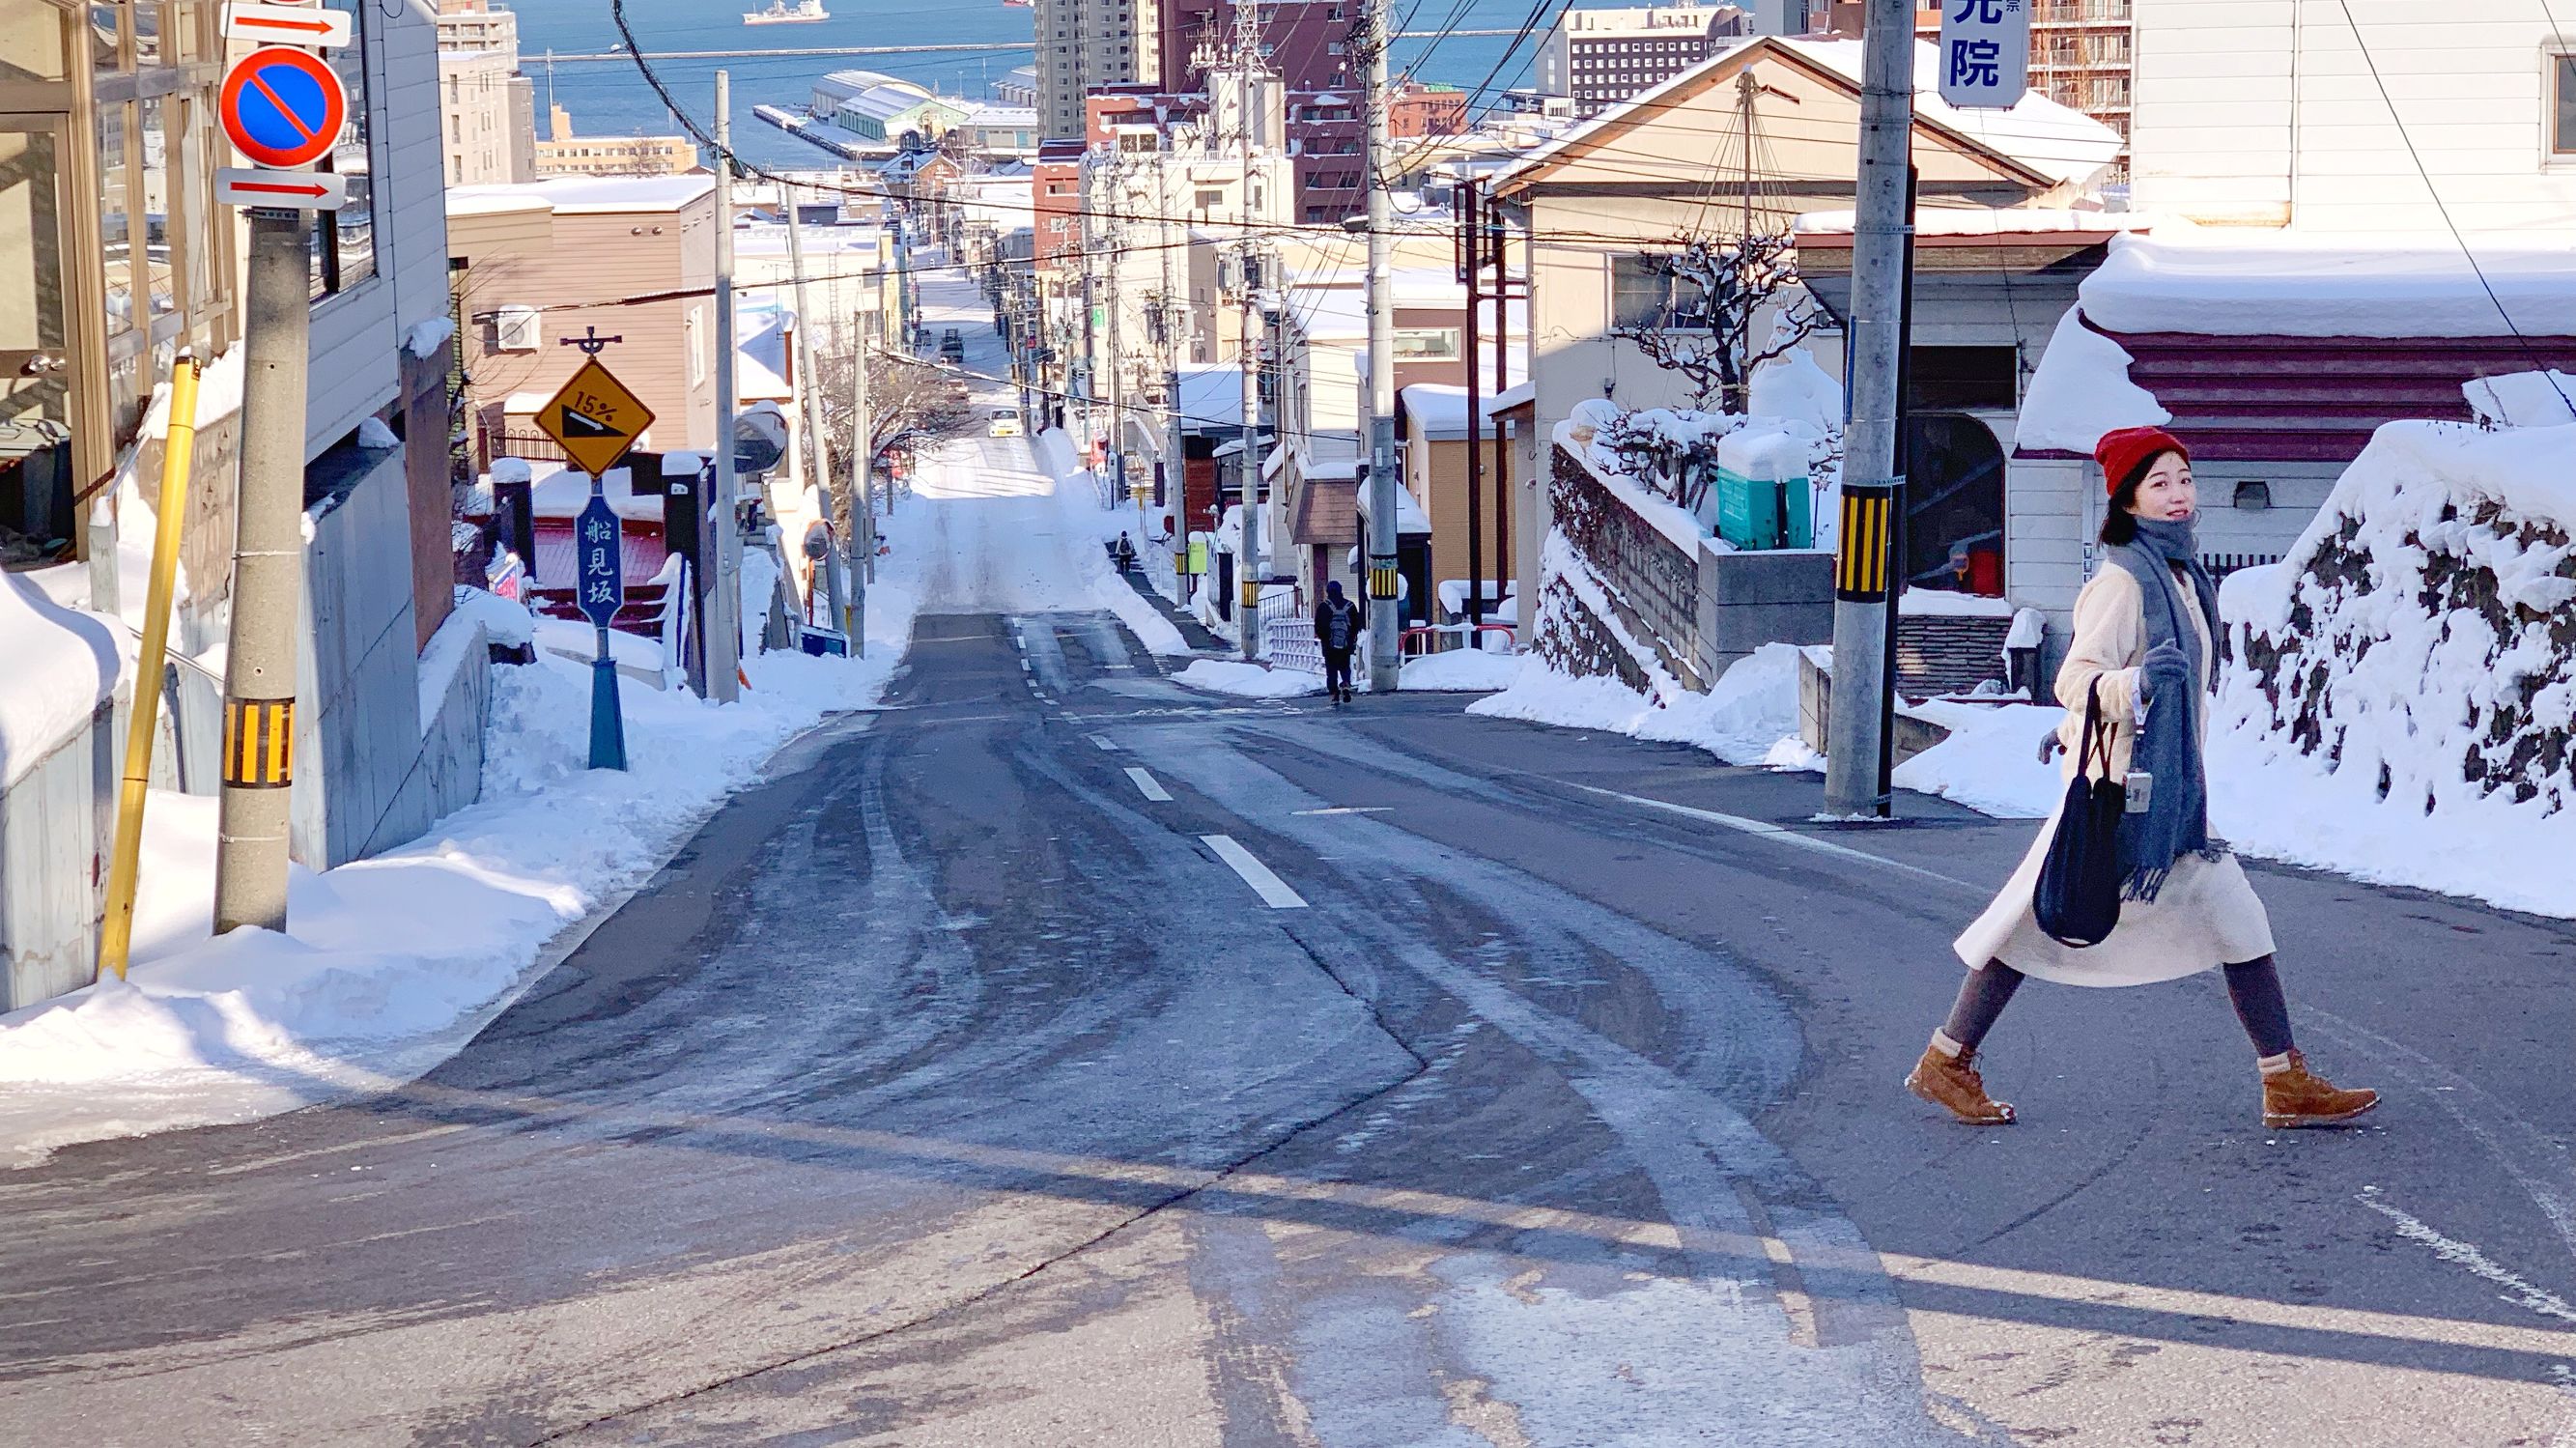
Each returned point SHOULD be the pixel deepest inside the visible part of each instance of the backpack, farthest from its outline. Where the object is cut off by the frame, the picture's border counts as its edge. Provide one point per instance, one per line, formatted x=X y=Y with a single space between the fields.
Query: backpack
x=1338 y=624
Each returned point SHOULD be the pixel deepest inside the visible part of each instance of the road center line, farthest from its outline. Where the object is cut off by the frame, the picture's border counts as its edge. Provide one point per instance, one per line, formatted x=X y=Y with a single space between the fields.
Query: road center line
x=1101 y=741
x=1780 y=833
x=1146 y=786
x=1343 y=809
x=1273 y=891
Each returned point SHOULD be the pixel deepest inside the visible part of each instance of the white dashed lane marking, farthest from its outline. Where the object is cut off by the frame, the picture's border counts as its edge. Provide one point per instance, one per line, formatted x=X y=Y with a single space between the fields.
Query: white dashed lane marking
x=1273 y=891
x=1146 y=786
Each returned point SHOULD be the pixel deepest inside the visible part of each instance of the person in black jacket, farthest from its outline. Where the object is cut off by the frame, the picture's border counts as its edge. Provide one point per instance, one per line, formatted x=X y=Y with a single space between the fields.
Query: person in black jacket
x=1339 y=623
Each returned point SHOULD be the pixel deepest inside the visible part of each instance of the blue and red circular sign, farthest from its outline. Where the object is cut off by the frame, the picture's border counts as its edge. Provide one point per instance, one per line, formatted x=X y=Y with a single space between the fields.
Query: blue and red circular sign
x=283 y=107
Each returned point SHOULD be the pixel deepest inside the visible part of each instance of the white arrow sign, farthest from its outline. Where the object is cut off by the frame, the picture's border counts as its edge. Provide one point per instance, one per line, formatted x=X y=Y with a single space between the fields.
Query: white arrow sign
x=286 y=25
x=292 y=190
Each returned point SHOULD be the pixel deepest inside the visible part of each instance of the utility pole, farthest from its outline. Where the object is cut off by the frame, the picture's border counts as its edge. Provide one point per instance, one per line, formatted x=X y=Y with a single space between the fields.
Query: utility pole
x=1117 y=391
x=1471 y=248
x=1385 y=629
x=1248 y=570
x=1504 y=568
x=858 y=540
x=819 y=464
x=724 y=609
x=1864 y=573
x=268 y=580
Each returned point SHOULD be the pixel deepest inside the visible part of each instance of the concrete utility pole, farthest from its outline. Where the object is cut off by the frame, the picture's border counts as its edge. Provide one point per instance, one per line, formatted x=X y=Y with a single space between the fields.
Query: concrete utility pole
x=819 y=465
x=858 y=541
x=1864 y=573
x=268 y=580
x=1385 y=628
x=1117 y=391
x=724 y=610
x=1248 y=568
x=1471 y=268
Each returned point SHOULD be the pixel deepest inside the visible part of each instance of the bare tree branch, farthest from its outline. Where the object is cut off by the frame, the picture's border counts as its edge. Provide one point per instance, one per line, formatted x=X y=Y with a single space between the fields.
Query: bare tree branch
x=1714 y=288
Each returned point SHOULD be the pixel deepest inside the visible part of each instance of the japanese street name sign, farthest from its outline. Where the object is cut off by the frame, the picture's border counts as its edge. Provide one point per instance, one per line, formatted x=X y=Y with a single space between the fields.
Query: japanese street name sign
x=599 y=562
x=1985 y=53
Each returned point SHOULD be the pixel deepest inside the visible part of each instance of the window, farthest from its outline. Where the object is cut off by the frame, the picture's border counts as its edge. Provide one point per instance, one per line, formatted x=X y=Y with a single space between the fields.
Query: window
x=344 y=242
x=1644 y=293
x=2562 y=131
x=1432 y=344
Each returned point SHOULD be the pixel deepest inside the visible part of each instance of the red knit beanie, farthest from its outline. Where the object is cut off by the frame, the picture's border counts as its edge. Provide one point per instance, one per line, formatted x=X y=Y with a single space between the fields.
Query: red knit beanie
x=2125 y=452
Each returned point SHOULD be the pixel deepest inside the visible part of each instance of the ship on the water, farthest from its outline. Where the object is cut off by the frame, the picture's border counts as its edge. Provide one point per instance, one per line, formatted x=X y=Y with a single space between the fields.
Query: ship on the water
x=803 y=12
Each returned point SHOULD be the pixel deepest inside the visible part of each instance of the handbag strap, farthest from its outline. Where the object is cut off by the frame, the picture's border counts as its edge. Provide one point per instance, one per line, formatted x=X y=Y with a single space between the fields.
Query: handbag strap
x=2097 y=733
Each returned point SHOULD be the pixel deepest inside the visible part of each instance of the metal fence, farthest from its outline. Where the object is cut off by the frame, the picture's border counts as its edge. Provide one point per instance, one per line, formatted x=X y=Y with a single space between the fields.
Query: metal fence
x=1290 y=642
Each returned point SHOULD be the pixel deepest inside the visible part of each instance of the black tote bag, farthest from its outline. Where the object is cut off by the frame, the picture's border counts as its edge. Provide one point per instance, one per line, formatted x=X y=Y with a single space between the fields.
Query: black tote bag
x=2077 y=901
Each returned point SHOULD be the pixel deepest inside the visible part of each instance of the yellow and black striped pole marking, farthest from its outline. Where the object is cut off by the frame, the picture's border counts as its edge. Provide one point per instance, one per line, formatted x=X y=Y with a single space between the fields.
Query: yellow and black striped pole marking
x=1860 y=566
x=259 y=743
x=1382 y=578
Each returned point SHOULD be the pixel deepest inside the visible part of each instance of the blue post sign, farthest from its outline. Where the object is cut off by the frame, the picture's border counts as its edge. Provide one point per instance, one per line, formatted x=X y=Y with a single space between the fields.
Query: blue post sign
x=600 y=574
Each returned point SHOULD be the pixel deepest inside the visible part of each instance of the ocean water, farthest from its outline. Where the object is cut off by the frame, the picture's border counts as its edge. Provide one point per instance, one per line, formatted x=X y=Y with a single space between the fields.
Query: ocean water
x=611 y=98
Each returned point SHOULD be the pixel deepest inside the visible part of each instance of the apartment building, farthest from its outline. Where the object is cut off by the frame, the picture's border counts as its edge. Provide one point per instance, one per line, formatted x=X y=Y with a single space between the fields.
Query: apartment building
x=487 y=110
x=1600 y=58
x=567 y=154
x=1086 y=44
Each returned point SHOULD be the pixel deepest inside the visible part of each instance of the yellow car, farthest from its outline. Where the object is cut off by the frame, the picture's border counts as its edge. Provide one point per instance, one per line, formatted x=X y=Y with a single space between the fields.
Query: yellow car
x=1005 y=423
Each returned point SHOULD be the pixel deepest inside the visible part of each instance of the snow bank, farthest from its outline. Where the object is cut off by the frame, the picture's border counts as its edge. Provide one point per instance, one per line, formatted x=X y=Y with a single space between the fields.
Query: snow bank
x=391 y=964
x=1794 y=388
x=1460 y=670
x=1741 y=720
x=2407 y=693
x=57 y=665
x=2082 y=390
x=1152 y=627
x=1250 y=681
x=1990 y=762
x=2524 y=399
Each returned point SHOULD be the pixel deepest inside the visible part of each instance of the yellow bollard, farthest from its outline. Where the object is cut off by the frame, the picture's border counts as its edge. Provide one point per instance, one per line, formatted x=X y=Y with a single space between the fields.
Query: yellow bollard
x=116 y=936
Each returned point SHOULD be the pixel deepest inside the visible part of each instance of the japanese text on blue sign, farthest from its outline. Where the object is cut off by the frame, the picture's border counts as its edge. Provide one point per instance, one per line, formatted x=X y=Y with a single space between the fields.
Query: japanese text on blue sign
x=1985 y=53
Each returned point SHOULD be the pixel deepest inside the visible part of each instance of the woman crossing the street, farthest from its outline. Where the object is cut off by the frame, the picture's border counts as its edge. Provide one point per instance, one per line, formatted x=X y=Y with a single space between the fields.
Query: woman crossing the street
x=2143 y=658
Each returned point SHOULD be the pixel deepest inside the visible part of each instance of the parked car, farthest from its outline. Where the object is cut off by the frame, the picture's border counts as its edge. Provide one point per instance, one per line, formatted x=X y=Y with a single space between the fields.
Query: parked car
x=1005 y=423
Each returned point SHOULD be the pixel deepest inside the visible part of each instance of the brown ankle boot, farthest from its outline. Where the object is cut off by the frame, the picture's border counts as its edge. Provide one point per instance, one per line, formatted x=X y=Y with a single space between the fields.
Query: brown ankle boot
x=1952 y=1082
x=2301 y=1097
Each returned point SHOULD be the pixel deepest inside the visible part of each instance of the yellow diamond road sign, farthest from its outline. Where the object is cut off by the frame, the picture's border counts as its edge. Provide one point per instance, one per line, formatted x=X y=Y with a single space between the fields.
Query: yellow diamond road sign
x=595 y=418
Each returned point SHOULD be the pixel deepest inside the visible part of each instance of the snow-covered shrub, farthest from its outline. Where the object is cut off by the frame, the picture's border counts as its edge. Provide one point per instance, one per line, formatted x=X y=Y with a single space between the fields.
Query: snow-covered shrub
x=2420 y=630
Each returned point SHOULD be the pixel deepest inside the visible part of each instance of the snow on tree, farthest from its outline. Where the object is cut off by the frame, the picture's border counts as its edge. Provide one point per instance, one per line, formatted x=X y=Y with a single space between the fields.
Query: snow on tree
x=1714 y=288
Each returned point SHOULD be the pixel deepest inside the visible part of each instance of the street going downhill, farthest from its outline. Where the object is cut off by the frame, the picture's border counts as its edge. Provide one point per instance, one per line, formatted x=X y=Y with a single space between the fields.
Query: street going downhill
x=1057 y=1054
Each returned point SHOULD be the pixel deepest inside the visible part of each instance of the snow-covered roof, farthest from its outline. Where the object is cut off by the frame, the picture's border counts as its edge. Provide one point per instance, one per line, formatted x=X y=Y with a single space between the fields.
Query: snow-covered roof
x=1409 y=517
x=844 y=84
x=1439 y=409
x=1001 y=117
x=1519 y=394
x=2290 y=284
x=576 y=195
x=2056 y=141
x=1211 y=395
x=1931 y=221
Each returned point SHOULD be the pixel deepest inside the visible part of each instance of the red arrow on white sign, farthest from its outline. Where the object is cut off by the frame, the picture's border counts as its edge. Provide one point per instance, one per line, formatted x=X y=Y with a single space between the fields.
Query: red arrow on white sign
x=287 y=25
x=295 y=190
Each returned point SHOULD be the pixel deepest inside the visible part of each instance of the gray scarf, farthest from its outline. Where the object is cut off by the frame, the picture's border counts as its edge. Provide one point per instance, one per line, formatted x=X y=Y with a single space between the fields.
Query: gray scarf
x=2176 y=820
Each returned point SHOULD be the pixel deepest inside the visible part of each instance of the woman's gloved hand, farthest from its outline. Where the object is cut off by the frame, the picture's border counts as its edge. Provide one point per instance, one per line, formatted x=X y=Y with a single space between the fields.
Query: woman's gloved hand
x=2166 y=668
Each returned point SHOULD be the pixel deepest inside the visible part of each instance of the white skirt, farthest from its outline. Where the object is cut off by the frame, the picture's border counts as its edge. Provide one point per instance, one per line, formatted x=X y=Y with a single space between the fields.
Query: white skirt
x=2206 y=915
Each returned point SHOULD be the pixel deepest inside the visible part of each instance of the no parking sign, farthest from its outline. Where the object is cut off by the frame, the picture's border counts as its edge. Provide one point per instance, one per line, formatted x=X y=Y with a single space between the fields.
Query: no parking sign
x=283 y=107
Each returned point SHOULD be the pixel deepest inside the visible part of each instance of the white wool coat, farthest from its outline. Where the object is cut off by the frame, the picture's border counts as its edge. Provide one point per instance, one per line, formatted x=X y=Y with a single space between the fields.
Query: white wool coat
x=2207 y=913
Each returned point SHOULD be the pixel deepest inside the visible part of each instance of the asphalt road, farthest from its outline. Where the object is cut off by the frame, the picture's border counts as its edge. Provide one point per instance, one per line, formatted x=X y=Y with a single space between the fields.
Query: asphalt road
x=1060 y=1056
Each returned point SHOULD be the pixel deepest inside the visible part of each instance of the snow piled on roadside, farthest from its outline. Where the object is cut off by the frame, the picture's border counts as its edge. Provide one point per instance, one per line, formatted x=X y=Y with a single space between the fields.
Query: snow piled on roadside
x=1249 y=681
x=1467 y=671
x=1075 y=485
x=391 y=964
x=1741 y=720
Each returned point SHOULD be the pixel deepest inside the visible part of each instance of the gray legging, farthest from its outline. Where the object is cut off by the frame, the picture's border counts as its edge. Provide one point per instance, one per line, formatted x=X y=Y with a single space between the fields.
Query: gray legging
x=2254 y=986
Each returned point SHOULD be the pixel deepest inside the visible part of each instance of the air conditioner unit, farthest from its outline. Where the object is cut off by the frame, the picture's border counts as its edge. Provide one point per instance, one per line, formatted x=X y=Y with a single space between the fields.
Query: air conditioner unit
x=515 y=329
